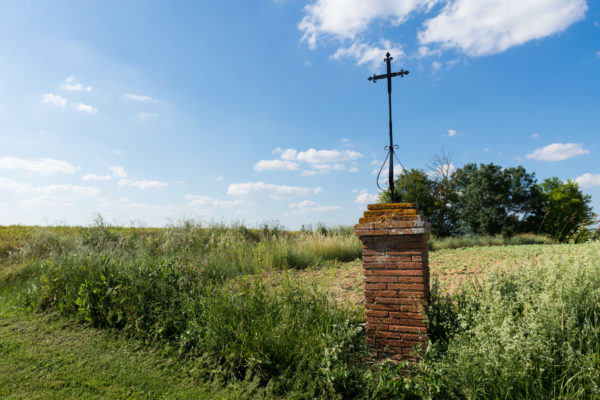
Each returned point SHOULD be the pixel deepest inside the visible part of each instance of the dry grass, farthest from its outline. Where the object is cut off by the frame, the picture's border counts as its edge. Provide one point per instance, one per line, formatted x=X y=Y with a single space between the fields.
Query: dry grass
x=454 y=267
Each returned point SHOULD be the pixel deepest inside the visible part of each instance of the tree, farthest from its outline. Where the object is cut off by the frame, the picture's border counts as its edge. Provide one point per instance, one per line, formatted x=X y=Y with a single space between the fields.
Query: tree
x=444 y=217
x=416 y=186
x=492 y=200
x=566 y=208
x=413 y=186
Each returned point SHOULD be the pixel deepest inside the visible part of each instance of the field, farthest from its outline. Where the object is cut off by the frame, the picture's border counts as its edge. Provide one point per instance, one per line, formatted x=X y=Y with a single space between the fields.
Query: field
x=231 y=312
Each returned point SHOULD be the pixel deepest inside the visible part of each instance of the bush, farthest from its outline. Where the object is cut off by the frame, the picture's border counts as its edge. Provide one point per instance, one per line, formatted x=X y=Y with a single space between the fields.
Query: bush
x=528 y=334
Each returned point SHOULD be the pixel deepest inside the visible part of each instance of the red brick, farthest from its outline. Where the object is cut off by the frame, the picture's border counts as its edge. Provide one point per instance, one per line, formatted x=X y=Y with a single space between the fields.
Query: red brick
x=419 y=322
x=367 y=251
x=409 y=265
x=412 y=308
x=387 y=307
x=405 y=295
x=397 y=300
x=410 y=279
x=407 y=286
x=379 y=279
x=408 y=329
x=380 y=293
x=380 y=265
x=393 y=272
x=376 y=313
x=396 y=252
x=375 y=286
x=385 y=259
x=375 y=327
x=407 y=315
x=382 y=343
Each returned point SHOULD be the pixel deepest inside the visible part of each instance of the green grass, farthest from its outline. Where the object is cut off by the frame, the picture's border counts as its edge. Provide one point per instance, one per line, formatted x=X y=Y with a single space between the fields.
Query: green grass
x=218 y=309
x=457 y=242
x=44 y=357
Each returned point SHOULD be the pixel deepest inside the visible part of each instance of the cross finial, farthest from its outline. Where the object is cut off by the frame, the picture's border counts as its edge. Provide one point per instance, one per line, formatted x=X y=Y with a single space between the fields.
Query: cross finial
x=389 y=75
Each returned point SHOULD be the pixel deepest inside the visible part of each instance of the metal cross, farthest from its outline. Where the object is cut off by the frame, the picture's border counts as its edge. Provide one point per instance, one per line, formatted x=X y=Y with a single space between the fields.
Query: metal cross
x=389 y=75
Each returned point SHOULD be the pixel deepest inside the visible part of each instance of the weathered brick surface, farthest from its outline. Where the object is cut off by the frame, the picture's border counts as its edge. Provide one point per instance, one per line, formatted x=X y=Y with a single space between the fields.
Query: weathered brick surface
x=396 y=274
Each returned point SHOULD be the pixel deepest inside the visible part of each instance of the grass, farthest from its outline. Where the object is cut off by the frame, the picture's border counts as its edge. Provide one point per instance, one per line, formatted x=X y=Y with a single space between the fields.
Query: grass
x=44 y=357
x=457 y=242
x=235 y=312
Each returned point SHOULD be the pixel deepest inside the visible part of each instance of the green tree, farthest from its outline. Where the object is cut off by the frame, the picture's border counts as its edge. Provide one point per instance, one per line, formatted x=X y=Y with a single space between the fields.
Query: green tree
x=413 y=186
x=494 y=200
x=567 y=209
x=416 y=186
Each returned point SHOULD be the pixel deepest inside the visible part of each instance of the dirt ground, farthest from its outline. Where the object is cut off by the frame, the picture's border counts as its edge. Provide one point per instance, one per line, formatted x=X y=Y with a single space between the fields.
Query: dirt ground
x=451 y=268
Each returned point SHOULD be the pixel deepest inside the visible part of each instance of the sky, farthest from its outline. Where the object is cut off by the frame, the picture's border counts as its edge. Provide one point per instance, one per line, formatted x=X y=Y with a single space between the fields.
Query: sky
x=153 y=112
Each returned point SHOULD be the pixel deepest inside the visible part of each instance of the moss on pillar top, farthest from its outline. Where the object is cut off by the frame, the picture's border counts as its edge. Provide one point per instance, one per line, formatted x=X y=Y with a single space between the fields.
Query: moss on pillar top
x=392 y=219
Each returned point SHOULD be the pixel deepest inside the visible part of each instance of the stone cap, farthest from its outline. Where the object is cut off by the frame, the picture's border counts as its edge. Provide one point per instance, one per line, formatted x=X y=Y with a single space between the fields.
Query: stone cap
x=392 y=219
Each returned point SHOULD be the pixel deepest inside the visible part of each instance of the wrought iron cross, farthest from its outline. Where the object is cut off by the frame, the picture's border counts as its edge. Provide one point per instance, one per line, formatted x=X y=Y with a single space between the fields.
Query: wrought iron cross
x=389 y=75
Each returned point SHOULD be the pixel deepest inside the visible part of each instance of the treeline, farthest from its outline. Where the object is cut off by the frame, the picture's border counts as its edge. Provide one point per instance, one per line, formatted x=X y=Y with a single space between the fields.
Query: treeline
x=487 y=199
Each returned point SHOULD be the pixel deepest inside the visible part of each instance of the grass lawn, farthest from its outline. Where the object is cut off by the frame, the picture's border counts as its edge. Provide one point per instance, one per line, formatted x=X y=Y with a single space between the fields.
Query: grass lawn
x=45 y=357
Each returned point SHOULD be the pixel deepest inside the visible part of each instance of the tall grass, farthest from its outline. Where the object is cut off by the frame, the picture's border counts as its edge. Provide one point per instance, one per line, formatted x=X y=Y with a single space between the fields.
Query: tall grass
x=533 y=333
x=455 y=242
x=216 y=249
x=201 y=292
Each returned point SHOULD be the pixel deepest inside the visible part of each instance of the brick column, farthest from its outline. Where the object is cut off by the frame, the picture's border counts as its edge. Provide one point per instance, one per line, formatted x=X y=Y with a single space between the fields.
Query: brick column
x=396 y=273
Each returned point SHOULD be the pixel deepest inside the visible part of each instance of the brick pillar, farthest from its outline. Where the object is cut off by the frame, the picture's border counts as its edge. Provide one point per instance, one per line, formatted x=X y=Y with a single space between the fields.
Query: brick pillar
x=396 y=273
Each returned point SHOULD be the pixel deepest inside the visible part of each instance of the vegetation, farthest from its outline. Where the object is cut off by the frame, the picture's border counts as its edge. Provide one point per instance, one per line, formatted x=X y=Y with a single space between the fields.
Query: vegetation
x=567 y=210
x=487 y=199
x=234 y=307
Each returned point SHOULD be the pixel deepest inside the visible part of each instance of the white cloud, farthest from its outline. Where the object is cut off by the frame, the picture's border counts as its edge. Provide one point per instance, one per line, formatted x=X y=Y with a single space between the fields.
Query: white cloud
x=93 y=177
x=261 y=189
x=345 y=19
x=598 y=54
x=558 y=152
x=436 y=66
x=318 y=160
x=330 y=167
x=364 y=197
x=59 y=195
x=309 y=207
x=43 y=166
x=313 y=156
x=205 y=201
x=119 y=152
x=219 y=179
x=451 y=132
x=364 y=53
x=85 y=108
x=72 y=85
x=147 y=115
x=588 y=180
x=475 y=27
x=139 y=98
x=275 y=165
x=425 y=51
x=143 y=185
x=117 y=171
x=535 y=136
x=54 y=99
x=482 y=27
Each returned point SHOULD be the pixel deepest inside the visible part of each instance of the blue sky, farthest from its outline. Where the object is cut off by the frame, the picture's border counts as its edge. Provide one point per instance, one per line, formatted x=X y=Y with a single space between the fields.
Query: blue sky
x=152 y=112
